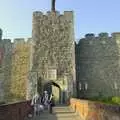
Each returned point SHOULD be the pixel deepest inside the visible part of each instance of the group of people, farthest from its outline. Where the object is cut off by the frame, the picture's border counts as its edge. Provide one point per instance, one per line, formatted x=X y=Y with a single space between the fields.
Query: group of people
x=40 y=103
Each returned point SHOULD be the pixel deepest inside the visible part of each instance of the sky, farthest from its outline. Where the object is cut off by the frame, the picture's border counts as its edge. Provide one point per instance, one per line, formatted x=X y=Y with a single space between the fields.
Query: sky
x=90 y=16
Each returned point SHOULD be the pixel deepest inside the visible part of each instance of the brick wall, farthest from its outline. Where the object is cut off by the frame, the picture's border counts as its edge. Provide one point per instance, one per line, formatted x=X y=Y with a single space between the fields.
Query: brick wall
x=15 y=111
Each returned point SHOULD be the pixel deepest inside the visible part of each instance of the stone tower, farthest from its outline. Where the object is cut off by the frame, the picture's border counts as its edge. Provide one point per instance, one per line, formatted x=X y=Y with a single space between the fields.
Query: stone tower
x=1 y=70
x=0 y=34
x=98 y=65
x=53 y=53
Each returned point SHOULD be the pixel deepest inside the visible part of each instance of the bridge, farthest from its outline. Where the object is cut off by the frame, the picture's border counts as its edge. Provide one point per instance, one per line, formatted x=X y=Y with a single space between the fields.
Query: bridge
x=76 y=110
x=59 y=113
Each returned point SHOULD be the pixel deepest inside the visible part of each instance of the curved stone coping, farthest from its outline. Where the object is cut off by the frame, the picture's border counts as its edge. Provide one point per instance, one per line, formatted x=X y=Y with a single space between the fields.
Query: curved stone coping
x=89 y=110
x=17 y=102
x=15 y=111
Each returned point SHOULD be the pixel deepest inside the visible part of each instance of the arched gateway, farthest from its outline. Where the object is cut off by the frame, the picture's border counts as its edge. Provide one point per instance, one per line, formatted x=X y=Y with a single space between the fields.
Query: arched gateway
x=57 y=88
x=53 y=88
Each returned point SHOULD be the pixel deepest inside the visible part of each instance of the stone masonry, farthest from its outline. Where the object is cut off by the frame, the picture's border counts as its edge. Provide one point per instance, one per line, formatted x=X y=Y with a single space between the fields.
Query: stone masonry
x=1 y=69
x=98 y=65
x=20 y=68
x=14 y=68
x=7 y=65
x=52 y=55
x=54 y=49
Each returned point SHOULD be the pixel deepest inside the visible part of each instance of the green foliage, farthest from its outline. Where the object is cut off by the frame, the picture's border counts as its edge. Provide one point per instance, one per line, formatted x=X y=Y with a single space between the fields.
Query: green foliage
x=107 y=100
x=116 y=100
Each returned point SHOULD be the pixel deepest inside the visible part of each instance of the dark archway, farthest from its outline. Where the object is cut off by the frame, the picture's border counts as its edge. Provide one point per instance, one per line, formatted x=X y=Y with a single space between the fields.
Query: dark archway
x=39 y=86
x=53 y=88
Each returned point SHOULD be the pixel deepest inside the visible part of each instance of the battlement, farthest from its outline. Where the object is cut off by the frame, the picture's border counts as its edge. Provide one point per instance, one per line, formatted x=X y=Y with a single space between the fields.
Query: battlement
x=7 y=41
x=116 y=35
x=100 y=35
x=39 y=13
x=29 y=40
x=102 y=38
x=89 y=36
x=19 y=41
x=103 y=35
x=22 y=40
x=67 y=15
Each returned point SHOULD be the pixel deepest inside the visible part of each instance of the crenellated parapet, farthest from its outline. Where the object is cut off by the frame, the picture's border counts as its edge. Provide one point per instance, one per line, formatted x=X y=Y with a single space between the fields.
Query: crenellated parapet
x=116 y=36
x=102 y=38
x=21 y=41
x=67 y=15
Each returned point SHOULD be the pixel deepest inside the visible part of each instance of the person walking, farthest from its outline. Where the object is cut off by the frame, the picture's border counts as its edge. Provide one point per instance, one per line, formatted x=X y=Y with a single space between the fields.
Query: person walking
x=45 y=99
x=51 y=103
x=36 y=103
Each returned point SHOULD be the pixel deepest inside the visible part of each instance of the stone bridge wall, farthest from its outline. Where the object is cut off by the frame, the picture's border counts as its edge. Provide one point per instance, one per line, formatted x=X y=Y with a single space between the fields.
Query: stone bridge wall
x=15 y=111
x=95 y=111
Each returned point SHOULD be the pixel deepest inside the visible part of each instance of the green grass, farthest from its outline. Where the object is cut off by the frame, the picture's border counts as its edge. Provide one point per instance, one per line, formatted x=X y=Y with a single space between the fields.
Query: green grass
x=115 y=100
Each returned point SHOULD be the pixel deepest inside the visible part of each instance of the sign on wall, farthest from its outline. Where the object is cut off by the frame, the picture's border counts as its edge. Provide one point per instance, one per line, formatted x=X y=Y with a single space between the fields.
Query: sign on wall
x=52 y=74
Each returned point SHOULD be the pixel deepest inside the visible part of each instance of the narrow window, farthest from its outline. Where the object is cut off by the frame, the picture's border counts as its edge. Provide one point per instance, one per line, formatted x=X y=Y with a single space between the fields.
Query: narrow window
x=80 y=86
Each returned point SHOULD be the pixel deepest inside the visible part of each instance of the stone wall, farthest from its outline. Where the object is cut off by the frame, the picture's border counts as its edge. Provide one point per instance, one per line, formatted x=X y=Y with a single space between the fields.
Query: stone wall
x=7 y=66
x=20 y=68
x=98 y=65
x=53 y=42
x=15 y=111
x=89 y=110
x=14 y=67
x=2 y=92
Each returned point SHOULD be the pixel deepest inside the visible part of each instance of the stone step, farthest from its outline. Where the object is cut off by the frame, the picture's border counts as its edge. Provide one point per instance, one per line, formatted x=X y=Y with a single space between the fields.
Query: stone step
x=59 y=113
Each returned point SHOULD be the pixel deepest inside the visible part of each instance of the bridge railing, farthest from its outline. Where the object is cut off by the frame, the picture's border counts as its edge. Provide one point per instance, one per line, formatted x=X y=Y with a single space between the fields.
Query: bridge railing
x=15 y=111
x=89 y=110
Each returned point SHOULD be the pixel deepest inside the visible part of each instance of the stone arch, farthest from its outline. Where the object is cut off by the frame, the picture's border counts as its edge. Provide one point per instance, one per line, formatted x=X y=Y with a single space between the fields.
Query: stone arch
x=55 y=88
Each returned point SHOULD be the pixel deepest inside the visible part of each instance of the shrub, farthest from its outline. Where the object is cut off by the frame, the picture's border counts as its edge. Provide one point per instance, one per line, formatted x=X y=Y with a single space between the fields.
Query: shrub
x=116 y=100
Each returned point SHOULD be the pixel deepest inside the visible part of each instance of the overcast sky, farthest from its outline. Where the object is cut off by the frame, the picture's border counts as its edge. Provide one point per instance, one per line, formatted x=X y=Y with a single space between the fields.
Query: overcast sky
x=91 y=16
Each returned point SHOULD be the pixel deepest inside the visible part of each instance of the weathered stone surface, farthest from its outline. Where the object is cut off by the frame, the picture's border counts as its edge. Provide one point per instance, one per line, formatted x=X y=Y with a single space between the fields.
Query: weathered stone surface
x=89 y=110
x=20 y=68
x=2 y=93
x=53 y=43
x=7 y=66
x=98 y=65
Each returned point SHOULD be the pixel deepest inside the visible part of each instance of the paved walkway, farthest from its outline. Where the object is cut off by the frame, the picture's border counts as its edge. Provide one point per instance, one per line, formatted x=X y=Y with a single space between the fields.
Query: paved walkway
x=59 y=113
